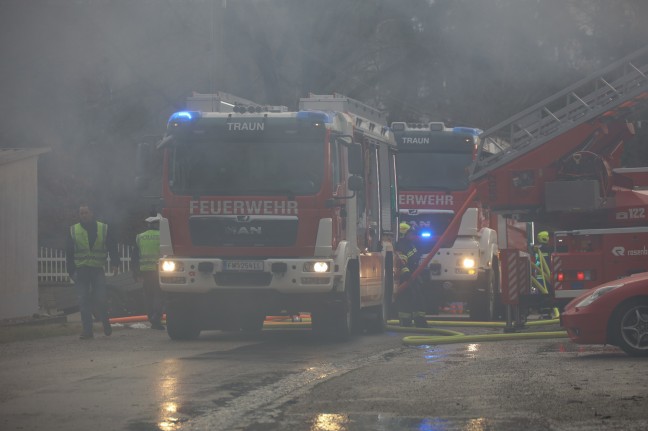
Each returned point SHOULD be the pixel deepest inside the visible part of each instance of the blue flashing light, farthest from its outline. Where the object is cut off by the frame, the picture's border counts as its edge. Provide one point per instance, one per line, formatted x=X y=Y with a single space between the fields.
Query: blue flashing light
x=184 y=116
x=314 y=116
x=467 y=131
x=426 y=234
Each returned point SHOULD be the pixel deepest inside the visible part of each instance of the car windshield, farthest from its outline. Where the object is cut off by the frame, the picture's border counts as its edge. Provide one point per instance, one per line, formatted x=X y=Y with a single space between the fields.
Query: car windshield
x=433 y=171
x=247 y=168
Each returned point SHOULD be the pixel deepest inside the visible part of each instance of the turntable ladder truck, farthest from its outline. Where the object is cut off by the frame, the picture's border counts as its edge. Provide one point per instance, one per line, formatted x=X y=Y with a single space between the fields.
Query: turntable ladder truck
x=558 y=163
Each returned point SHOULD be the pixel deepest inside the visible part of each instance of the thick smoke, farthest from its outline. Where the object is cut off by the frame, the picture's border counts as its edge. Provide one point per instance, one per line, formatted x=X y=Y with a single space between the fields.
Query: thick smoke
x=91 y=78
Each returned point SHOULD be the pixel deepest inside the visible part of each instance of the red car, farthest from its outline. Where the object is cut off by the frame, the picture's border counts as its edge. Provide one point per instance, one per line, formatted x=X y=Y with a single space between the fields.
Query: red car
x=613 y=313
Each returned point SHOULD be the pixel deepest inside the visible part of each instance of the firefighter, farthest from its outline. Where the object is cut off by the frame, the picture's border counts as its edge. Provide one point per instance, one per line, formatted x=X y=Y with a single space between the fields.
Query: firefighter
x=145 y=269
x=544 y=247
x=88 y=245
x=410 y=301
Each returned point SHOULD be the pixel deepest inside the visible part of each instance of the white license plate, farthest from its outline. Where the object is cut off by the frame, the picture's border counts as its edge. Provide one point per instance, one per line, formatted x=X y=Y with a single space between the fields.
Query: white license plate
x=243 y=265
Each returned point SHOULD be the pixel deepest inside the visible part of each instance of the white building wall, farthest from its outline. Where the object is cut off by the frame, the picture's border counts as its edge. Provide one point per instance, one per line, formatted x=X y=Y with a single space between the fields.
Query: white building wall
x=18 y=238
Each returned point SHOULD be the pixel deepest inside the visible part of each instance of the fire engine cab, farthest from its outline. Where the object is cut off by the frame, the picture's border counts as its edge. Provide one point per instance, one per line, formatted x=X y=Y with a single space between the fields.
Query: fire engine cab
x=433 y=164
x=270 y=213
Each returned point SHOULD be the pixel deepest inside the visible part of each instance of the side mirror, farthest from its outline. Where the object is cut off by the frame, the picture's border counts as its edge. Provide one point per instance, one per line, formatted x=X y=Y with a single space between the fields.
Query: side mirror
x=356 y=183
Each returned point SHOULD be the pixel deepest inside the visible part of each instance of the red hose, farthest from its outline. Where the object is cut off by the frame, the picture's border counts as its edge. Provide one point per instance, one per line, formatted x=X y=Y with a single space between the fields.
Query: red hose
x=451 y=228
x=131 y=319
x=134 y=319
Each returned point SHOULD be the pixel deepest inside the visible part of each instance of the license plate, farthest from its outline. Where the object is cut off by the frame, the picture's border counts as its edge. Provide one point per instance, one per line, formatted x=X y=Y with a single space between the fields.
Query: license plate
x=243 y=265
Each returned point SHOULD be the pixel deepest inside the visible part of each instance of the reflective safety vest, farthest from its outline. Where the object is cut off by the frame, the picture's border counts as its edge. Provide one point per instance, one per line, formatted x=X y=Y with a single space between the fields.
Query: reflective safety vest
x=83 y=255
x=149 y=246
x=408 y=261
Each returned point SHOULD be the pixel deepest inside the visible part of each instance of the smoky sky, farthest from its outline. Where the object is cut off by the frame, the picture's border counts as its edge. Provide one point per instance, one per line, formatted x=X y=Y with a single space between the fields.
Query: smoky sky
x=90 y=78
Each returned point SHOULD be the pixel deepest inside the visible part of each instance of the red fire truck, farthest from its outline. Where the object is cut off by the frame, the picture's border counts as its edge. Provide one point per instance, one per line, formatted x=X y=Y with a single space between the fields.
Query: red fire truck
x=558 y=163
x=433 y=164
x=271 y=213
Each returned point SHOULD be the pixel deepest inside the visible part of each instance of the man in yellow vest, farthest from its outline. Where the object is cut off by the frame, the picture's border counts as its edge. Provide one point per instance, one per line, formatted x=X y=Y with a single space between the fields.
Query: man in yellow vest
x=89 y=244
x=145 y=269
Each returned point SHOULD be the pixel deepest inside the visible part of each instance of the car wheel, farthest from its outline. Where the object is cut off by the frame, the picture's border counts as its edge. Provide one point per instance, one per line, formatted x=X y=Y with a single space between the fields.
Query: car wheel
x=630 y=327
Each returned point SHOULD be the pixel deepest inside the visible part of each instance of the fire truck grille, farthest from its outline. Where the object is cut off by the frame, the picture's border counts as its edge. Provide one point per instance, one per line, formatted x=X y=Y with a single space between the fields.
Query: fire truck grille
x=243 y=231
x=243 y=279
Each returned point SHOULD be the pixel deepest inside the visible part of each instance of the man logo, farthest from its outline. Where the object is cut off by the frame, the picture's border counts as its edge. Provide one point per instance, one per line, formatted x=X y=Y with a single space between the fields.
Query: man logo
x=244 y=230
x=618 y=251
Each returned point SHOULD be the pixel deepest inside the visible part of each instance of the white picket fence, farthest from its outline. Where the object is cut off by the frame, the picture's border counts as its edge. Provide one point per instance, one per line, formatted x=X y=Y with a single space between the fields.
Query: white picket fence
x=53 y=269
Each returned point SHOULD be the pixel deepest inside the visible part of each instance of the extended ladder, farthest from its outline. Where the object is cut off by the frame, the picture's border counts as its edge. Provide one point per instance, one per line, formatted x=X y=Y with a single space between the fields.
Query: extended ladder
x=612 y=92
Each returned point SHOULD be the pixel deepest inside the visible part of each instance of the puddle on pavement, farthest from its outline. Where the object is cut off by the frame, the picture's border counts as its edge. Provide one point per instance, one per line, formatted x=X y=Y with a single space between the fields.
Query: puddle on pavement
x=437 y=354
x=384 y=422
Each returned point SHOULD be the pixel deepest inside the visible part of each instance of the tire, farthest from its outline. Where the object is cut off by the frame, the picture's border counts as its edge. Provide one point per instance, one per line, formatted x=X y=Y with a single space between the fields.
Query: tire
x=252 y=323
x=181 y=321
x=115 y=303
x=340 y=320
x=629 y=327
x=483 y=299
x=377 y=318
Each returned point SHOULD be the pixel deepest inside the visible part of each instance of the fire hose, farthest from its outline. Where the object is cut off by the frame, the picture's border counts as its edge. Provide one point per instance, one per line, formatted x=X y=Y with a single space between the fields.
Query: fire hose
x=436 y=336
x=433 y=336
x=450 y=230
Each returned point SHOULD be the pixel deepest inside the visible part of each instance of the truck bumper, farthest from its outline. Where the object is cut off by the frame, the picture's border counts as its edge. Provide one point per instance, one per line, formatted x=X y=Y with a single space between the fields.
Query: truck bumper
x=285 y=276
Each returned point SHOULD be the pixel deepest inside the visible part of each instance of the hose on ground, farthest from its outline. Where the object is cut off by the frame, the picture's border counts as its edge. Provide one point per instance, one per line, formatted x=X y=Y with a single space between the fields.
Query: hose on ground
x=418 y=340
x=441 y=336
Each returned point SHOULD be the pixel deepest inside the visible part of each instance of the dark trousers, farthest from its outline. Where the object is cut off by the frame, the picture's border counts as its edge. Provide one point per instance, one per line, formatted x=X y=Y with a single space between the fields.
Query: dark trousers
x=412 y=299
x=153 y=296
x=90 y=284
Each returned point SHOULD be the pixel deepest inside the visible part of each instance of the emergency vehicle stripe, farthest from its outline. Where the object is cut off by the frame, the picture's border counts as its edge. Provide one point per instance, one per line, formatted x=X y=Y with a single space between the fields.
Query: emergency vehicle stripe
x=514 y=277
x=557 y=266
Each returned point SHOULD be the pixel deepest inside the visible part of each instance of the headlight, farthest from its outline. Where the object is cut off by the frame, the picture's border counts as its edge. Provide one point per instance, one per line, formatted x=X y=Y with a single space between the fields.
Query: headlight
x=172 y=266
x=597 y=294
x=468 y=262
x=316 y=267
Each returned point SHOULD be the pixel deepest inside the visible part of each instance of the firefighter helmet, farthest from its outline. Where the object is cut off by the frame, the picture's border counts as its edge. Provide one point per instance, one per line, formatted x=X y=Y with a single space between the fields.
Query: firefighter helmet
x=403 y=228
x=543 y=237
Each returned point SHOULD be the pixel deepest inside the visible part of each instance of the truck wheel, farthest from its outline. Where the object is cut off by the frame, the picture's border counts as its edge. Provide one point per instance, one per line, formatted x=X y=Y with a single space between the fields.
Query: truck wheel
x=339 y=321
x=377 y=318
x=482 y=301
x=115 y=304
x=252 y=323
x=629 y=327
x=181 y=321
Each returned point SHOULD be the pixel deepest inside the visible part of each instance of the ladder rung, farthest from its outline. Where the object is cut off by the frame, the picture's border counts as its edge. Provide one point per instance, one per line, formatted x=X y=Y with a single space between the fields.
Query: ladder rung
x=608 y=84
x=551 y=114
x=637 y=70
x=575 y=96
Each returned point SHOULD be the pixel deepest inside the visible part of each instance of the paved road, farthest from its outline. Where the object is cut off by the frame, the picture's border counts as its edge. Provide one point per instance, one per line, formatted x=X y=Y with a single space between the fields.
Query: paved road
x=139 y=380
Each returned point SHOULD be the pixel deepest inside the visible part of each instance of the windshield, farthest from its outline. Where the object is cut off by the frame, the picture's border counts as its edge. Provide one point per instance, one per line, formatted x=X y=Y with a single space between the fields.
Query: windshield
x=246 y=168
x=433 y=171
